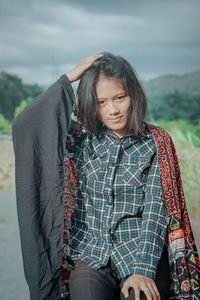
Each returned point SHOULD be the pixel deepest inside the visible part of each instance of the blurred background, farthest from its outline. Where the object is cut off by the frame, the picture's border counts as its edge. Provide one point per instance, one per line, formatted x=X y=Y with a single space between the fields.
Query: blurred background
x=41 y=40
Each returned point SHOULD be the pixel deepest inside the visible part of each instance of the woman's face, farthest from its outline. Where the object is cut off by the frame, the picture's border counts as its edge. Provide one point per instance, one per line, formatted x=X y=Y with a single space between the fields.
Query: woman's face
x=114 y=105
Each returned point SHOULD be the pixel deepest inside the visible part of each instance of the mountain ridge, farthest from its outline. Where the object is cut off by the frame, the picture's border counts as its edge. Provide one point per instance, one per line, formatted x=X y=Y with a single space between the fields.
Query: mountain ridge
x=170 y=83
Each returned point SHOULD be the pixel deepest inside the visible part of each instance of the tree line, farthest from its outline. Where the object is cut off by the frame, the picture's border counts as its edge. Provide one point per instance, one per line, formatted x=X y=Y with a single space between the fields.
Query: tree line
x=14 y=96
x=13 y=92
x=174 y=106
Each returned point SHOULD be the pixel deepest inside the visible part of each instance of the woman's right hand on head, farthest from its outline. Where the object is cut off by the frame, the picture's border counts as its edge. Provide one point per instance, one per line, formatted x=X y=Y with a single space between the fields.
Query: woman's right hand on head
x=82 y=66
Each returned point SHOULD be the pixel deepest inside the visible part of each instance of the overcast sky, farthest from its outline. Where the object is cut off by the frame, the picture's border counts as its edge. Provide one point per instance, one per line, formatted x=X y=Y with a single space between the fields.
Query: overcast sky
x=40 y=40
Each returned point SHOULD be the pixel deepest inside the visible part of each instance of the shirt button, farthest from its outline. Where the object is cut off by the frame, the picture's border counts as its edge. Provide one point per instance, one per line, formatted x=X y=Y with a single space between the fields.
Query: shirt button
x=111 y=163
x=110 y=202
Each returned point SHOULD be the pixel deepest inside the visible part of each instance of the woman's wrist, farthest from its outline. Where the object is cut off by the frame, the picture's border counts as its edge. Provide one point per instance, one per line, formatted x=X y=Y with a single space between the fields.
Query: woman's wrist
x=82 y=66
x=69 y=77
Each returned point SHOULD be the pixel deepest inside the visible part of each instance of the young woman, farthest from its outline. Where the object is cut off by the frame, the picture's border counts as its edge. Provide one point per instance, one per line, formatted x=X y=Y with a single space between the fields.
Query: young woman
x=114 y=183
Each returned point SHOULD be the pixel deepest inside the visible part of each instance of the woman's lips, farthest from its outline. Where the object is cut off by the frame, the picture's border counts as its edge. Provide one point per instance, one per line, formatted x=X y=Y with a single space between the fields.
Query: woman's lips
x=116 y=120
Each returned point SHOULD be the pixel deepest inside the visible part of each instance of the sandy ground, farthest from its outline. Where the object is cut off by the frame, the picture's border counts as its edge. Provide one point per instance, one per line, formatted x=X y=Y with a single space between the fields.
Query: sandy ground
x=7 y=165
x=12 y=281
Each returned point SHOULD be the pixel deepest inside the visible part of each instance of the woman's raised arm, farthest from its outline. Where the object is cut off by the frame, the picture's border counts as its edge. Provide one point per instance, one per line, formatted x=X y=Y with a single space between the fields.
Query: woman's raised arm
x=81 y=67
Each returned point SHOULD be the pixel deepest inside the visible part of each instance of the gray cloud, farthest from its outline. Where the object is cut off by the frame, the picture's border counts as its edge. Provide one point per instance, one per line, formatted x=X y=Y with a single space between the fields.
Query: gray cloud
x=41 y=40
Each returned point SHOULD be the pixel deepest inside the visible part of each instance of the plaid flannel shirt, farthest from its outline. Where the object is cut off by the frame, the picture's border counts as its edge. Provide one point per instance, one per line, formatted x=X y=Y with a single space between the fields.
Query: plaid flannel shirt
x=119 y=212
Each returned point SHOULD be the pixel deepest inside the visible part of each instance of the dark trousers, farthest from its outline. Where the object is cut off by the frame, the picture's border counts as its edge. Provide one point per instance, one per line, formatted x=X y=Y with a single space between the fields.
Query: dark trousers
x=105 y=283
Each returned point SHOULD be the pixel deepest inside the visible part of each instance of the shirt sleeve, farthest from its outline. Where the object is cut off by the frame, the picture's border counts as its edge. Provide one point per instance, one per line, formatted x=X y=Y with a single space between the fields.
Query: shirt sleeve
x=154 y=224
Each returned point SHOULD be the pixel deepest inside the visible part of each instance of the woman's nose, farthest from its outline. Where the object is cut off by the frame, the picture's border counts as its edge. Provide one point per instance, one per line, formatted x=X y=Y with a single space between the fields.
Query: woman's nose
x=113 y=107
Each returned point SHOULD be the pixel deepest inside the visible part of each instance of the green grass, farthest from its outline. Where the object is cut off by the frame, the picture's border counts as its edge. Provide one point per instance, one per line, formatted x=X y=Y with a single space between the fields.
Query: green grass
x=5 y=125
x=186 y=138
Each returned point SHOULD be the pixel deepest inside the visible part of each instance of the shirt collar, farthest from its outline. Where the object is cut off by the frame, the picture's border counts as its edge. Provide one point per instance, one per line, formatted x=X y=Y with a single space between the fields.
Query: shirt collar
x=97 y=145
x=103 y=130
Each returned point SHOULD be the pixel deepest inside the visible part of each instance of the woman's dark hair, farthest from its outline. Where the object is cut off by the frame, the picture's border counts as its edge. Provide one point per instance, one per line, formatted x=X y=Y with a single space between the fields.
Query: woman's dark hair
x=115 y=67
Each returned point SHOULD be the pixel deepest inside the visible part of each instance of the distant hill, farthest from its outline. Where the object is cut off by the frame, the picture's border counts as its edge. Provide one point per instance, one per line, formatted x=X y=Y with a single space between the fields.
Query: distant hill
x=188 y=83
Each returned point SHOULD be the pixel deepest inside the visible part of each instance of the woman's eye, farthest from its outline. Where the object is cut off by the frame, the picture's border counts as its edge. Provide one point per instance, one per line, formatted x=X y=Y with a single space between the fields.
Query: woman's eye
x=100 y=102
x=120 y=98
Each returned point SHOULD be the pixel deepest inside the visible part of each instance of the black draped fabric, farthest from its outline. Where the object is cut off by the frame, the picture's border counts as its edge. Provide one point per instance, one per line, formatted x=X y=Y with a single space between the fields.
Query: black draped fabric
x=39 y=136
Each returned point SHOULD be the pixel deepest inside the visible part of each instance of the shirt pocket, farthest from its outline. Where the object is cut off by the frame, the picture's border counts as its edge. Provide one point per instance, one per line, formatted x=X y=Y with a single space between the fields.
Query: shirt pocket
x=134 y=170
x=93 y=168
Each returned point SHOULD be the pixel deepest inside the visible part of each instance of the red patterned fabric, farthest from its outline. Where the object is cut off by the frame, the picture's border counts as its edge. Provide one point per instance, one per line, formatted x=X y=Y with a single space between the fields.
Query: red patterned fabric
x=183 y=257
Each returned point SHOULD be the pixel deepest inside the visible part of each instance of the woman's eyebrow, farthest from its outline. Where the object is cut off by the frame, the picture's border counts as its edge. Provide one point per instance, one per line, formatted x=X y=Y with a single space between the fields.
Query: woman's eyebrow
x=118 y=94
x=101 y=99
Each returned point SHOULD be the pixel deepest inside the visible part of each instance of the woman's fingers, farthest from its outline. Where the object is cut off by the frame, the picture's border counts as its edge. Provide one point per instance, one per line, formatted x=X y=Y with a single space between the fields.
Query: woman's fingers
x=82 y=66
x=92 y=57
x=156 y=292
x=141 y=283
x=125 y=289
x=148 y=294
x=137 y=293
x=151 y=293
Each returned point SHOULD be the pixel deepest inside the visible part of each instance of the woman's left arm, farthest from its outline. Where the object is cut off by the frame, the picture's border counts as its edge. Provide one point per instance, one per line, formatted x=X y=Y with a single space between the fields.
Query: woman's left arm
x=152 y=237
x=154 y=224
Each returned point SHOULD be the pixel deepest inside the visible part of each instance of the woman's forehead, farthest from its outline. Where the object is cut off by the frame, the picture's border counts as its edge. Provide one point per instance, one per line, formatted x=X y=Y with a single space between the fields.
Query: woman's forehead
x=107 y=87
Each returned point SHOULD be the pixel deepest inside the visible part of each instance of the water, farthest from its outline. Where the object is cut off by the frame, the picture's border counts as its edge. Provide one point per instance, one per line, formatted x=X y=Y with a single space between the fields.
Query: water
x=12 y=281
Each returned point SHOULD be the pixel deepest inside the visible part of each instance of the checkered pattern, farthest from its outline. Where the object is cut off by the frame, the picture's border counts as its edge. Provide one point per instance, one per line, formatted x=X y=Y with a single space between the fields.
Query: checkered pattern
x=120 y=211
